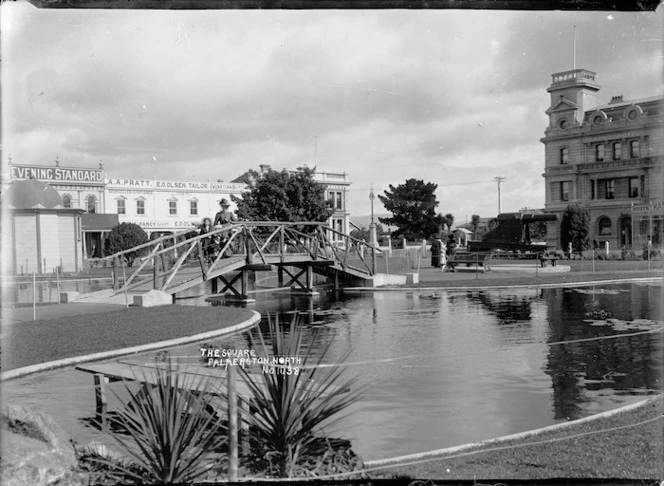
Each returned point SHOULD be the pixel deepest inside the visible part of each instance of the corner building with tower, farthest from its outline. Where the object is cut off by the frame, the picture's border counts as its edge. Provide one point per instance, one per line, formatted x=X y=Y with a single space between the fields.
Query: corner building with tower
x=607 y=158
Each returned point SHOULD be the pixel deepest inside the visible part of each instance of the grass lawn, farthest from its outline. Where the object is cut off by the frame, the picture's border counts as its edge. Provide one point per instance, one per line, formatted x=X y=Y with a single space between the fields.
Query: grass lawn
x=29 y=343
x=626 y=445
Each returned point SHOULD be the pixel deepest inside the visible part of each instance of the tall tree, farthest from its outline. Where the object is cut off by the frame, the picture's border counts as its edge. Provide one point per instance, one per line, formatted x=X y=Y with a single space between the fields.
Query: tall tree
x=449 y=221
x=413 y=207
x=575 y=227
x=283 y=196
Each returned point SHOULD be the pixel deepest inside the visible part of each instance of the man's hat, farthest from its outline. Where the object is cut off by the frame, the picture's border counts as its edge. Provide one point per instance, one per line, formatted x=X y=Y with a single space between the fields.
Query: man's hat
x=223 y=202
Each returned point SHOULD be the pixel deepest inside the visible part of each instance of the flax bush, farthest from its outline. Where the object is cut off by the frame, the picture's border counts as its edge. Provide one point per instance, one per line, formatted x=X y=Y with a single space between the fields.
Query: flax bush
x=169 y=433
x=290 y=410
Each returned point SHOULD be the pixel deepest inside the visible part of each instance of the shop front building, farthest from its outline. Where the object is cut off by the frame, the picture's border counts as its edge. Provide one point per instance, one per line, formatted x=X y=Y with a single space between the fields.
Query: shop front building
x=159 y=207
x=164 y=207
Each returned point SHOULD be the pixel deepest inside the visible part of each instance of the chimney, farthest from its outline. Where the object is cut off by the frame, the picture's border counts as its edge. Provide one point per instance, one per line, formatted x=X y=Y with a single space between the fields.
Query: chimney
x=616 y=99
x=265 y=168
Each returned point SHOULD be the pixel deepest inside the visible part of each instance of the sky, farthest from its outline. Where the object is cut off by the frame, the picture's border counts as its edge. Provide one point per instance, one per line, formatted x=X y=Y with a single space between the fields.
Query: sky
x=453 y=97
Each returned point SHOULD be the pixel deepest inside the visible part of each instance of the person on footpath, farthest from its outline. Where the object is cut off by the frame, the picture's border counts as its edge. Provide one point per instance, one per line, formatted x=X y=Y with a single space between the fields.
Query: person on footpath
x=436 y=250
x=443 y=257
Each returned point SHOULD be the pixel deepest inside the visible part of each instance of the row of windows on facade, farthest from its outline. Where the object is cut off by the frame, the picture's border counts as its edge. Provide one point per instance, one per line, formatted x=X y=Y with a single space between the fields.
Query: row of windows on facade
x=91 y=205
x=605 y=226
x=600 y=151
x=335 y=201
x=603 y=188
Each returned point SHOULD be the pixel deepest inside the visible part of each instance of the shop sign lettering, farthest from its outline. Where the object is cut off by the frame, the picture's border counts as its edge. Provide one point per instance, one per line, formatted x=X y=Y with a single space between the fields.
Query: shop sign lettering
x=60 y=174
x=155 y=184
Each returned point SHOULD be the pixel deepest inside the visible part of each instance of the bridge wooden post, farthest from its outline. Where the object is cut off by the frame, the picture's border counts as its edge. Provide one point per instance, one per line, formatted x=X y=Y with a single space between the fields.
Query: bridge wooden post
x=247 y=245
x=310 y=278
x=155 y=274
x=115 y=273
x=282 y=257
x=244 y=284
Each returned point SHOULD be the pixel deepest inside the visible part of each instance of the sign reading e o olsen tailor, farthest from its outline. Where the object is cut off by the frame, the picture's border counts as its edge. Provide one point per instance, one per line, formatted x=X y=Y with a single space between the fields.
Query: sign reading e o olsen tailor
x=57 y=174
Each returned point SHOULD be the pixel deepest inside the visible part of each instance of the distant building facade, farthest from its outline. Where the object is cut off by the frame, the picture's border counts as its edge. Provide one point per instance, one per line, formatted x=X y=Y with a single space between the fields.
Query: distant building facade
x=607 y=158
x=163 y=207
x=97 y=202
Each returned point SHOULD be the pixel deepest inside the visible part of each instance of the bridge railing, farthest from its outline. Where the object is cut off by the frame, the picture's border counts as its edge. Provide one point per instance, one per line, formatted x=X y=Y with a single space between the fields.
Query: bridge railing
x=246 y=242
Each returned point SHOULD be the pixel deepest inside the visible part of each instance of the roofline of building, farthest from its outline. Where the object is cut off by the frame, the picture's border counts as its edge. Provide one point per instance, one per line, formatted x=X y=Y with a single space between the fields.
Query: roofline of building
x=624 y=104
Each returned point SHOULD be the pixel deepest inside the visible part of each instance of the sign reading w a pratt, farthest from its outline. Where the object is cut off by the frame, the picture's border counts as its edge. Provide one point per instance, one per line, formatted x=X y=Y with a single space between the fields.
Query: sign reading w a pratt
x=57 y=174
x=189 y=186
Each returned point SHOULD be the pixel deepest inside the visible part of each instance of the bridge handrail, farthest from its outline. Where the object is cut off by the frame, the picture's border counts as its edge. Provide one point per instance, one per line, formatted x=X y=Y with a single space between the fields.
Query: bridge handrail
x=149 y=243
x=193 y=239
x=325 y=242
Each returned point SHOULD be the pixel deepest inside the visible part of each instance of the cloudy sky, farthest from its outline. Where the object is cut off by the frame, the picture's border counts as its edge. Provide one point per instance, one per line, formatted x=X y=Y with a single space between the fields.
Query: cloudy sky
x=451 y=97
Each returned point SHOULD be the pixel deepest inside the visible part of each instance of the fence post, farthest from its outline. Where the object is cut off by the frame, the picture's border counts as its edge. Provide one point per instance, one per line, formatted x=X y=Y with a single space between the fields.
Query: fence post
x=477 y=265
x=57 y=281
x=34 y=297
x=124 y=286
x=115 y=273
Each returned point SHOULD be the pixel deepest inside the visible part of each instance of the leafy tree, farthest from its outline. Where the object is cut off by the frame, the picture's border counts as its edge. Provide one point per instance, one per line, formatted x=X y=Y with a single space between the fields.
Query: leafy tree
x=448 y=219
x=413 y=208
x=283 y=196
x=575 y=227
x=538 y=230
x=124 y=237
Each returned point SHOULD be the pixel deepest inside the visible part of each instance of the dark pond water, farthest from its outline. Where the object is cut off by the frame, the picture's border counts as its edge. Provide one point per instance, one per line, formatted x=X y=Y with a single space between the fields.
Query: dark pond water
x=46 y=290
x=448 y=368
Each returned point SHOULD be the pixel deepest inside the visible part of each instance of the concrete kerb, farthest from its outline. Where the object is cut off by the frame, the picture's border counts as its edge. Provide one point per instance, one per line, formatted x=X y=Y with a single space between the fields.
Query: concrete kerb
x=28 y=370
x=495 y=287
x=479 y=447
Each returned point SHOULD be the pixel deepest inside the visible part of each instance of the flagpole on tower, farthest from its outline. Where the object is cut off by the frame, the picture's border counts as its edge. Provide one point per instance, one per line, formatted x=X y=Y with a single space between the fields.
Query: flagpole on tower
x=574 y=54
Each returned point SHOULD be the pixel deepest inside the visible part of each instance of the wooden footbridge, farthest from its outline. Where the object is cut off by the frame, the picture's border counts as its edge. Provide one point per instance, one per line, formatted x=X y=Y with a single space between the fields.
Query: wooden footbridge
x=296 y=251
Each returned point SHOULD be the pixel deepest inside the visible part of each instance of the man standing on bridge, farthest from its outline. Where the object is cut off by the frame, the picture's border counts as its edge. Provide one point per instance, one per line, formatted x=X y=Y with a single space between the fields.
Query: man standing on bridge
x=224 y=216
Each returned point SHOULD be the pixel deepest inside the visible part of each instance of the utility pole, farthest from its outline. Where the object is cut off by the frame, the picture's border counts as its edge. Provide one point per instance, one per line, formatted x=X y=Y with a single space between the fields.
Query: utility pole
x=373 y=240
x=499 y=180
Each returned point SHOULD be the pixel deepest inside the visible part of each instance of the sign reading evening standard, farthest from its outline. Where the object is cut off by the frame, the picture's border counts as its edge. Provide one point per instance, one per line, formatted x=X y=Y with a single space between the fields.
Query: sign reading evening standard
x=57 y=174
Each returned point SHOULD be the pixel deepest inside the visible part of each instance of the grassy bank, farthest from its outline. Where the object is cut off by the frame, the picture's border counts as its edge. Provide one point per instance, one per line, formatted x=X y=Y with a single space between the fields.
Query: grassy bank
x=625 y=445
x=45 y=340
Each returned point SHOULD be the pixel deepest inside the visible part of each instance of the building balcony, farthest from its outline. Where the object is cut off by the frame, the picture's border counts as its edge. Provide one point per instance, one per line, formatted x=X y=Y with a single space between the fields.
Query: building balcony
x=603 y=166
x=573 y=75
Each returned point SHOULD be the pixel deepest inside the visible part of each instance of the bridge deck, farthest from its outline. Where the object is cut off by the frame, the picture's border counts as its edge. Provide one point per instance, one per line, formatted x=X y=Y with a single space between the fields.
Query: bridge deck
x=189 y=274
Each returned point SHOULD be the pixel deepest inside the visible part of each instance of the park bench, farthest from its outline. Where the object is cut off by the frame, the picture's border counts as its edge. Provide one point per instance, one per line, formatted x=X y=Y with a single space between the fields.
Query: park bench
x=480 y=259
x=548 y=259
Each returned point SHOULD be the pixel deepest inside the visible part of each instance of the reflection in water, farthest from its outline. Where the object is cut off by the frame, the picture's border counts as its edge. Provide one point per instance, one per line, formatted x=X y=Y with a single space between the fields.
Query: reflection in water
x=461 y=367
x=626 y=365
x=46 y=291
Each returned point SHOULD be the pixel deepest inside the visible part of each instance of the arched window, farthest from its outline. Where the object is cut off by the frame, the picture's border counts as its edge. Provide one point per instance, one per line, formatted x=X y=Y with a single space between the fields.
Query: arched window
x=92 y=204
x=564 y=155
x=66 y=201
x=604 y=226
